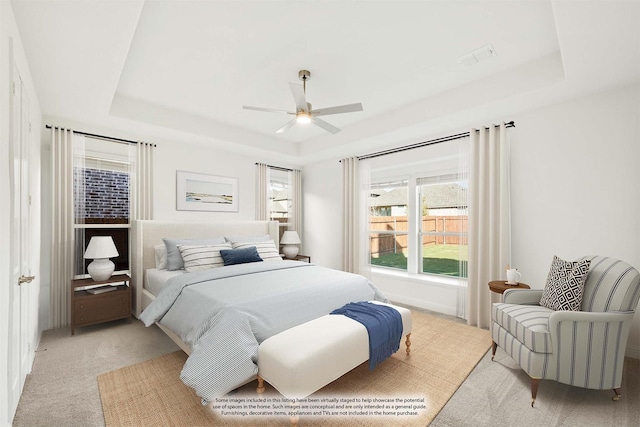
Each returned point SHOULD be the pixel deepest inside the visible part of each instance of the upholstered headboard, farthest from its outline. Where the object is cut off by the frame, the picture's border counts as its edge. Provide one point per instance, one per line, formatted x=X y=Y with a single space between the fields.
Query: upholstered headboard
x=149 y=233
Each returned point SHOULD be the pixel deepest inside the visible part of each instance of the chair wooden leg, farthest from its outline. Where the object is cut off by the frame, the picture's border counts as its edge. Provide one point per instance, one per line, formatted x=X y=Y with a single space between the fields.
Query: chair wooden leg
x=534 y=390
x=408 y=344
x=260 y=388
x=617 y=395
x=494 y=347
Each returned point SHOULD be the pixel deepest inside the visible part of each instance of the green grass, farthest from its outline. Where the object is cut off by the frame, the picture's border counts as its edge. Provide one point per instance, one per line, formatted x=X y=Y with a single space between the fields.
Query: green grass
x=437 y=259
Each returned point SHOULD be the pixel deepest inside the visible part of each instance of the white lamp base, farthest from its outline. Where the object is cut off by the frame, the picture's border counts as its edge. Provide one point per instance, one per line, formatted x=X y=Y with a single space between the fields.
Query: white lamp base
x=290 y=251
x=101 y=269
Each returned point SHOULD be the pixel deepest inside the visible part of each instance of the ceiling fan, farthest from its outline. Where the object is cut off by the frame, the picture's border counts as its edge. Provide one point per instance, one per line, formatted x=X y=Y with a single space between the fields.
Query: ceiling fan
x=304 y=113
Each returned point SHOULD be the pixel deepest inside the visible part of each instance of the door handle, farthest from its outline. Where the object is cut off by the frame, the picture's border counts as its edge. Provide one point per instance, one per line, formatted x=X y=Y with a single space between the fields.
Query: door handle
x=25 y=279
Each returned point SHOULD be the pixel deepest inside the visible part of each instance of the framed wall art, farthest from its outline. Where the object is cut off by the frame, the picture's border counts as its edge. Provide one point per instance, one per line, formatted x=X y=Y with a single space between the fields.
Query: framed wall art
x=202 y=192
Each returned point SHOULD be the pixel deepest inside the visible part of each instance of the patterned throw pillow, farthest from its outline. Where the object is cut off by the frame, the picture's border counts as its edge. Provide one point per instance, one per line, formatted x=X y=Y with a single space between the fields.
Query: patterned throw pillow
x=202 y=257
x=565 y=284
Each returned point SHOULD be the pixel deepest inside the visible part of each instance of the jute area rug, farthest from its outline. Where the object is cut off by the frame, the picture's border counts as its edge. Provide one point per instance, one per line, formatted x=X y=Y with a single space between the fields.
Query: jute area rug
x=443 y=353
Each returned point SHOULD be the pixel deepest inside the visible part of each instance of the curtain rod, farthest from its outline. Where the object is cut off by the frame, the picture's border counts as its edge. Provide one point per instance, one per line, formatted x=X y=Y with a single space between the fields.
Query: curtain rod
x=278 y=168
x=510 y=124
x=109 y=138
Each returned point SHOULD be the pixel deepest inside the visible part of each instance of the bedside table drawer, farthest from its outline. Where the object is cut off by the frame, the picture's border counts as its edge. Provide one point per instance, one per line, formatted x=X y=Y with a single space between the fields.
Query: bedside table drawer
x=89 y=307
x=102 y=307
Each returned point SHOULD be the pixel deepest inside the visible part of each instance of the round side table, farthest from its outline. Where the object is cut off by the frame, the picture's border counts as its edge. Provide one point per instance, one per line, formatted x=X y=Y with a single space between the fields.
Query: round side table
x=499 y=286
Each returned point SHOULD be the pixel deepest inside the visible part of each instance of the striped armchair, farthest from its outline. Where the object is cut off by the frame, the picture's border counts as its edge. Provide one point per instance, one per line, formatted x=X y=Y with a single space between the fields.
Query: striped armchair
x=581 y=348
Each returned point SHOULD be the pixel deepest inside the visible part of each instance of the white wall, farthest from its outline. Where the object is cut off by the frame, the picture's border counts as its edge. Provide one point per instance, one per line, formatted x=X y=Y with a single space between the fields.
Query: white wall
x=575 y=179
x=575 y=185
x=173 y=156
x=322 y=201
x=178 y=156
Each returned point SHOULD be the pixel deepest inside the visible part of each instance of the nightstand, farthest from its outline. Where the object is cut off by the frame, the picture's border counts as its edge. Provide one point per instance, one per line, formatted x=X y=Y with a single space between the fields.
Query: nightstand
x=306 y=258
x=90 y=308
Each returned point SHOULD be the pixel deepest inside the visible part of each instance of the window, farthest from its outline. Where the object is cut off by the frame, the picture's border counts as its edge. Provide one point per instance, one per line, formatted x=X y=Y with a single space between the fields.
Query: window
x=388 y=224
x=440 y=214
x=280 y=198
x=418 y=211
x=443 y=225
x=101 y=199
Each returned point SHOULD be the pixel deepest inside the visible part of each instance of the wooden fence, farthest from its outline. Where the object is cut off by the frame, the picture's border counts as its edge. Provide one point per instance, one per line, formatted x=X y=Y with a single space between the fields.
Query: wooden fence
x=383 y=244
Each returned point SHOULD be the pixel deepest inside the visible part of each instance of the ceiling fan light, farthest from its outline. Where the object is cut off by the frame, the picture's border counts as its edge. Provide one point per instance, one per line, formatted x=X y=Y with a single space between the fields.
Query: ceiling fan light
x=303 y=118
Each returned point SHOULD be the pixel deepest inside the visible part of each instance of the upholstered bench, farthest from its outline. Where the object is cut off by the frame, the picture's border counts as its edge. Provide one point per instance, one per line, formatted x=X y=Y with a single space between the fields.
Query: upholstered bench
x=305 y=358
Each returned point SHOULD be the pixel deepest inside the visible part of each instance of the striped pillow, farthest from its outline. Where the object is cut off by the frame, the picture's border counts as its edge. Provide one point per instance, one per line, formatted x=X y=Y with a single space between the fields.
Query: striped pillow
x=202 y=257
x=267 y=250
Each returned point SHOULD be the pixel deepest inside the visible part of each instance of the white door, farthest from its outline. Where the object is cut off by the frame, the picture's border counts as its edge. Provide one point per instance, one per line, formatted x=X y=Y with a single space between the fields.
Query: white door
x=26 y=276
x=19 y=364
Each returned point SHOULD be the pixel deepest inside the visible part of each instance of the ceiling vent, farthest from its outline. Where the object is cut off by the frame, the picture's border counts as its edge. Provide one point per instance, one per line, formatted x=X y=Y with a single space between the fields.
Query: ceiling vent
x=481 y=54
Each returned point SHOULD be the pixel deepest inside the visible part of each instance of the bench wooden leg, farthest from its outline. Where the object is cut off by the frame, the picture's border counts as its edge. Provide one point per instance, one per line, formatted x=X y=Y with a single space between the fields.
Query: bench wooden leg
x=260 y=388
x=408 y=343
x=294 y=417
x=616 y=394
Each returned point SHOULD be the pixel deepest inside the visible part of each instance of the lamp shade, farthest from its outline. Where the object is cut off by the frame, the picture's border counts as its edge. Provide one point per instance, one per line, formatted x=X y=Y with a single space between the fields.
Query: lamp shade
x=100 y=249
x=290 y=238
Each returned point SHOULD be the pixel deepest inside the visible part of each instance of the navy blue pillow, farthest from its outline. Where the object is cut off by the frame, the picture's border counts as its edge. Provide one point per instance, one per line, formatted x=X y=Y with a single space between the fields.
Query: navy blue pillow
x=240 y=256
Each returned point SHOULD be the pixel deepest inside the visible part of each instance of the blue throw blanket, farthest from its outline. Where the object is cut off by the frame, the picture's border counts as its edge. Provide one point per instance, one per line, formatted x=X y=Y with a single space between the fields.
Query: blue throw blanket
x=383 y=323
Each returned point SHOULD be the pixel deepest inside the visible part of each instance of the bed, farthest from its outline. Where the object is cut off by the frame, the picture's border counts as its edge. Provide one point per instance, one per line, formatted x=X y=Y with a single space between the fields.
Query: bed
x=220 y=316
x=149 y=233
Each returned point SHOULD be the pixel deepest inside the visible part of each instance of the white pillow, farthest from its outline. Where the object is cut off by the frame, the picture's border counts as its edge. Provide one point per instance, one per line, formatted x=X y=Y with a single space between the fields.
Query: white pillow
x=248 y=239
x=267 y=250
x=161 y=257
x=174 y=260
x=202 y=257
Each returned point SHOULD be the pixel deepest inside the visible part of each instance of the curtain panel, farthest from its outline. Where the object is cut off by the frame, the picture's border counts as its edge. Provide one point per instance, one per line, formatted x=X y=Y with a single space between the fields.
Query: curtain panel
x=295 y=178
x=142 y=196
x=62 y=231
x=356 y=187
x=262 y=192
x=350 y=216
x=489 y=219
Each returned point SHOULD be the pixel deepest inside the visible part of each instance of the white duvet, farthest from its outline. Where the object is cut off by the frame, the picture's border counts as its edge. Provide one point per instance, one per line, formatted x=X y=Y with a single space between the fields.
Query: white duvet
x=224 y=313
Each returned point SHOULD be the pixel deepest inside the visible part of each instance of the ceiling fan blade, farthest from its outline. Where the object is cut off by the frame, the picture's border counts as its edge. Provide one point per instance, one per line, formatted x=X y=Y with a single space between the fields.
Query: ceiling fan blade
x=324 y=125
x=271 y=110
x=349 y=108
x=286 y=127
x=298 y=95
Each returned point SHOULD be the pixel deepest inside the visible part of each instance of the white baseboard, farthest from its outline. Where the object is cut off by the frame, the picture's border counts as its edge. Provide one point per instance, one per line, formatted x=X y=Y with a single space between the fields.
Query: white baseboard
x=419 y=303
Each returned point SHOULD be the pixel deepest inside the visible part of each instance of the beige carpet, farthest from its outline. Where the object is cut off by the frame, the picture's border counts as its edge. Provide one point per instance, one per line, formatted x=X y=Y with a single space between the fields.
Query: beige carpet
x=442 y=356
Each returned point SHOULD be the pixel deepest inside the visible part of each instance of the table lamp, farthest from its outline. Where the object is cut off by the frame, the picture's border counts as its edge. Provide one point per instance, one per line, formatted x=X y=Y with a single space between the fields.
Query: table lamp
x=290 y=239
x=100 y=249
